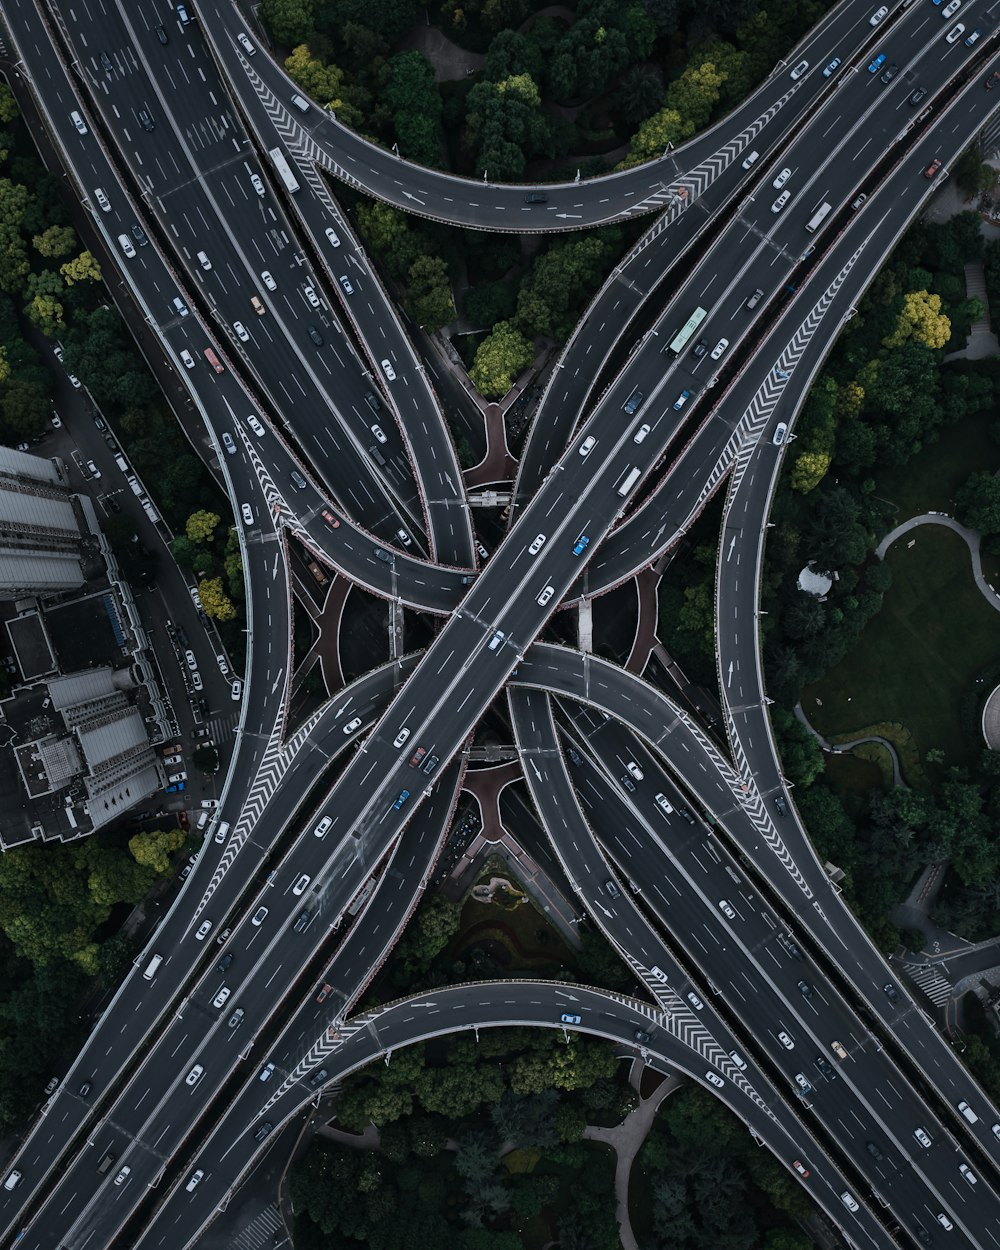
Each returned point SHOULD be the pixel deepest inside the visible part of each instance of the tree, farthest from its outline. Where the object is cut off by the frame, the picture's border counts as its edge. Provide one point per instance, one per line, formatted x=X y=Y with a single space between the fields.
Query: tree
x=809 y=470
x=499 y=359
x=429 y=293
x=214 y=600
x=83 y=268
x=46 y=313
x=921 y=319
x=153 y=850
x=289 y=21
x=201 y=526
x=977 y=502
x=56 y=241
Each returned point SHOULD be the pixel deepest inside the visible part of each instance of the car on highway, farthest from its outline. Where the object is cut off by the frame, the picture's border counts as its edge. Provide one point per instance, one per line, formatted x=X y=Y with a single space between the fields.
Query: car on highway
x=726 y=909
x=890 y=991
x=379 y=433
x=932 y=168
x=719 y=348
x=826 y=1067
x=917 y=96
x=786 y=1041
x=581 y=545
x=974 y=37
x=694 y=1000
x=750 y=160
x=247 y=512
x=951 y=9
x=195 y=1180
x=738 y=1059
x=351 y=725
x=323 y=828
x=801 y=1168
x=266 y=1072
x=922 y=1137
x=401 y=737
x=849 y=1200
x=714 y=1079
x=781 y=201
x=401 y=800
x=780 y=430
x=203 y=930
x=640 y=434
x=805 y=989
x=268 y=280
x=587 y=446
x=259 y=916
x=878 y=15
x=838 y=1050
x=324 y=993
x=536 y=545
x=388 y=370
x=944 y=1221
x=333 y=237
x=257 y=183
x=829 y=69
x=877 y=64
x=310 y=293
x=968 y=1173
x=265 y=1130
x=241 y=332
x=404 y=537
x=955 y=33
x=664 y=802
x=545 y=596
x=700 y=348
x=781 y=179
x=220 y=999
x=345 y=282
x=236 y=690
x=123 y=1175
x=631 y=405
x=314 y=335
x=992 y=80
x=681 y=400
x=889 y=73
x=628 y=783
x=567 y=1018
x=194 y=1076
x=635 y=770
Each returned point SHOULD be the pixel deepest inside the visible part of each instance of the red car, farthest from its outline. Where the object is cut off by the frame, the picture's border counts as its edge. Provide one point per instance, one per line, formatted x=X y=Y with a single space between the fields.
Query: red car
x=330 y=519
x=932 y=169
x=324 y=992
x=802 y=1170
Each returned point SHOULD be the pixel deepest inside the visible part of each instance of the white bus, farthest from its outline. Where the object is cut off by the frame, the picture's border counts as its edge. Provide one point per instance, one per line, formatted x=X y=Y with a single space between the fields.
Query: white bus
x=817 y=219
x=628 y=482
x=284 y=172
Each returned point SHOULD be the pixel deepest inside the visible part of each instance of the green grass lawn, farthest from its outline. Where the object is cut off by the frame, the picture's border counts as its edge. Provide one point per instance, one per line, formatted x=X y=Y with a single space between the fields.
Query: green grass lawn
x=928 y=482
x=920 y=654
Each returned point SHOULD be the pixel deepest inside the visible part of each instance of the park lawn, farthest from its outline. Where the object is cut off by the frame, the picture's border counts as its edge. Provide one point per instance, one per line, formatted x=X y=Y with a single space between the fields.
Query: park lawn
x=920 y=655
x=855 y=779
x=928 y=482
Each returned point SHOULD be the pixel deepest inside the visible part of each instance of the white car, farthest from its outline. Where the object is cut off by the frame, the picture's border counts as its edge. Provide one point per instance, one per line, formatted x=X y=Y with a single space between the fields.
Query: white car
x=268 y=281
x=192 y=663
x=172 y=760
x=879 y=14
x=122 y=1176
x=247 y=513
x=781 y=201
x=93 y=469
x=176 y=778
x=379 y=433
x=237 y=690
x=719 y=348
x=194 y=1076
x=388 y=370
x=781 y=179
x=310 y=293
x=345 y=282
x=640 y=434
x=714 y=1079
x=537 y=545
x=56 y=420
x=351 y=725
x=694 y=1000
x=257 y=183
x=255 y=425
x=786 y=1041
x=186 y=358
x=635 y=770
x=726 y=909
x=587 y=446
x=950 y=9
x=203 y=930
x=546 y=595
x=301 y=885
x=333 y=237
x=323 y=827
x=400 y=738
x=241 y=332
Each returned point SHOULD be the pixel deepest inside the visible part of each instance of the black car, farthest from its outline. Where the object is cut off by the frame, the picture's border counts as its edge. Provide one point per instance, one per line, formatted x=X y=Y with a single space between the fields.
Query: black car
x=700 y=348
x=874 y=1151
x=890 y=73
x=224 y=963
x=382 y=554
x=685 y=813
x=432 y=763
x=805 y=989
x=139 y=235
x=574 y=757
x=641 y=1035
x=316 y=337
x=891 y=992
x=781 y=805
x=826 y=1067
x=107 y=62
x=146 y=119
x=262 y=1132
x=85 y=1089
x=918 y=95
x=161 y=34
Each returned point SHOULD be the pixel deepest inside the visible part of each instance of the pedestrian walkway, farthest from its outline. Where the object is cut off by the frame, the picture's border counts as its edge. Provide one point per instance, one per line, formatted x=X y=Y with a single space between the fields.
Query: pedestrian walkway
x=626 y=1141
x=969 y=536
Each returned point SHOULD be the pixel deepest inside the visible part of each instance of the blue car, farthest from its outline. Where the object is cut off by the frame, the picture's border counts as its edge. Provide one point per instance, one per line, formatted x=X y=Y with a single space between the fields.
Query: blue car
x=834 y=64
x=582 y=543
x=877 y=64
x=403 y=796
x=174 y=789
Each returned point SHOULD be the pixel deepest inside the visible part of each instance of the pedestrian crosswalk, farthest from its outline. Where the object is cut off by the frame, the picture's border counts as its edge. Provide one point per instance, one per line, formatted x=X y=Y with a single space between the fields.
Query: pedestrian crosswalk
x=222 y=728
x=259 y=1232
x=931 y=981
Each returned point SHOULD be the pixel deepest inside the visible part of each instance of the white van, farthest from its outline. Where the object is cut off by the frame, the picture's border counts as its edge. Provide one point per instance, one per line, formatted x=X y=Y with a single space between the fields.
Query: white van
x=969 y=1114
x=151 y=967
x=122 y=463
x=300 y=103
x=125 y=243
x=13 y=1180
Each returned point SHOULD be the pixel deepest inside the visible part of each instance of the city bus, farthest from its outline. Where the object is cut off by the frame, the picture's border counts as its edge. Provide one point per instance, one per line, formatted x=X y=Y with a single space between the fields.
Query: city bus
x=817 y=219
x=284 y=171
x=683 y=337
x=628 y=482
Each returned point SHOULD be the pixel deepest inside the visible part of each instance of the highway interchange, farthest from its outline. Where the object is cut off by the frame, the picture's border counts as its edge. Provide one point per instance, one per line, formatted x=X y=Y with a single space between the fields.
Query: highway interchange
x=714 y=242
